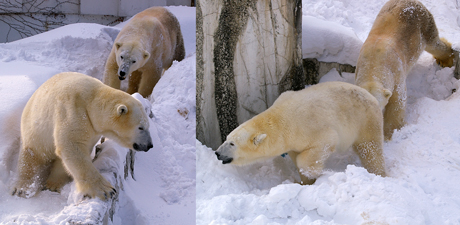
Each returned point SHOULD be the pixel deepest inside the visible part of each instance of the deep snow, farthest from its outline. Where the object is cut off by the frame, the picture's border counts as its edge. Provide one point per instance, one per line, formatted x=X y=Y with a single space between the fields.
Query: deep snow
x=422 y=159
x=164 y=189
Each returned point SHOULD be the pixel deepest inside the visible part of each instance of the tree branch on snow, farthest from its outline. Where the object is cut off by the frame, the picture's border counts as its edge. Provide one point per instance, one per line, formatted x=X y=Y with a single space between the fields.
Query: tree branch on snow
x=30 y=17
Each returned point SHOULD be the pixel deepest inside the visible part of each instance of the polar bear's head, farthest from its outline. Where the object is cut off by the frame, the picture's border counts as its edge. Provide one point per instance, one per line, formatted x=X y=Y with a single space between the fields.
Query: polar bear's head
x=248 y=143
x=379 y=92
x=129 y=58
x=129 y=125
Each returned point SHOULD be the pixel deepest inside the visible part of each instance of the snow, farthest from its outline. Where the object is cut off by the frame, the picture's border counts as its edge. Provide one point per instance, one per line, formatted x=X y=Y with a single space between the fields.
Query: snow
x=163 y=191
x=333 y=42
x=422 y=159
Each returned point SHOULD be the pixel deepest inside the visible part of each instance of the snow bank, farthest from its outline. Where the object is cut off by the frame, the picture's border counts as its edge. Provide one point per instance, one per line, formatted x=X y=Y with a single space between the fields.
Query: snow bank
x=422 y=160
x=165 y=176
x=360 y=15
x=422 y=188
x=329 y=41
x=68 y=48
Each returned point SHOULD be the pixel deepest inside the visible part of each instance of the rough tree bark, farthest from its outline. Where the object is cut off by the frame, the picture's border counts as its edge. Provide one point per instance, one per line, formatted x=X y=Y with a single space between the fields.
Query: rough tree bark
x=248 y=52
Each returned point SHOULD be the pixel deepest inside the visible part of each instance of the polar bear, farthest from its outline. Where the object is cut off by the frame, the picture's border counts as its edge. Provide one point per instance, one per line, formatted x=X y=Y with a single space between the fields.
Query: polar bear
x=310 y=125
x=60 y=125
x=401 y=31
x=146 y=45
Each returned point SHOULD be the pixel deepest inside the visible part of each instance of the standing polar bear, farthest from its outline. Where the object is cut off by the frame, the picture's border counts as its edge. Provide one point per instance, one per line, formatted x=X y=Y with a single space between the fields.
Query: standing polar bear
x=60 y=125
x=146 y=45
x=310 y=125
x=401 y=31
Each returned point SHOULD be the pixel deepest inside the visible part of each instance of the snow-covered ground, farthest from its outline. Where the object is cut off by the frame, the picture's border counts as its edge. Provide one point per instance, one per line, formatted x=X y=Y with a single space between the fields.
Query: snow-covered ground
x=163 y=191
x=422 y=159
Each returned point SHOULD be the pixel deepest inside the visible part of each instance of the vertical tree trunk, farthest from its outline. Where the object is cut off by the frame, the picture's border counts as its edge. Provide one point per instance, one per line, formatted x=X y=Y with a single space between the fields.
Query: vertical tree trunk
x=248 y=52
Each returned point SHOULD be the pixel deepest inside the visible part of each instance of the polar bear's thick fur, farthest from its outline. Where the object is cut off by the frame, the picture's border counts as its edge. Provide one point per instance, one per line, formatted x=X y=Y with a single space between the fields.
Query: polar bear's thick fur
x=146 y=45
x=402 y=30
x=60 y=125
x=310 y=125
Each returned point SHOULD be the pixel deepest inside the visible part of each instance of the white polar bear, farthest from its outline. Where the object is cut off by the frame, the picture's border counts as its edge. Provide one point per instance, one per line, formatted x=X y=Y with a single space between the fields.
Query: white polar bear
x=146 y=45
x=60 y=125
x=310 y=125
x=402 y=30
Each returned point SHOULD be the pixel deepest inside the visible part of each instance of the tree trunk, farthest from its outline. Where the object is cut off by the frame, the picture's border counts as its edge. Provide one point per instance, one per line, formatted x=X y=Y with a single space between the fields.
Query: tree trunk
x=248 y=53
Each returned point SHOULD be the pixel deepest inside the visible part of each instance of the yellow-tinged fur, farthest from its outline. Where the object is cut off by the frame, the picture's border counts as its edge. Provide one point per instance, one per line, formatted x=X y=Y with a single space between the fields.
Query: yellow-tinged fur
x=148 y=43
x=402 y=30
x=309 y=125
x=60 y=125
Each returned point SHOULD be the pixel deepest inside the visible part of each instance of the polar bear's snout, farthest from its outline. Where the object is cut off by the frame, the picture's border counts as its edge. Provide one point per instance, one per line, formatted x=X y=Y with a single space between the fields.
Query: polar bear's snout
x=224 y=152
x=225 y=159
x=143 y=142
x=123 y=71
x=121 y=76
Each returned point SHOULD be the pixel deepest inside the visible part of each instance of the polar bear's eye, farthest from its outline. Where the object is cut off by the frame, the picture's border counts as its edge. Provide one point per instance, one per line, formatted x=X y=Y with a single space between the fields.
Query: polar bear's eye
x=141 y=128
x=121 y=57
x=134 y=61
x=231 y=143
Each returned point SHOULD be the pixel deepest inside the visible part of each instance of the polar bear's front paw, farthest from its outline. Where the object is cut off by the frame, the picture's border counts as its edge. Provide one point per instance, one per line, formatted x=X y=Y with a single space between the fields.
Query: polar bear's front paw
x=23 y=192
x=102 y=189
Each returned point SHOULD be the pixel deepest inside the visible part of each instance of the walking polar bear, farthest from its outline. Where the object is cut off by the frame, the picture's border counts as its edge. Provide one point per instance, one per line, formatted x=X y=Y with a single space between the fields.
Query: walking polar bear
x=146 y=45
x=310 y=125
x=60 y=125
x=402 y=30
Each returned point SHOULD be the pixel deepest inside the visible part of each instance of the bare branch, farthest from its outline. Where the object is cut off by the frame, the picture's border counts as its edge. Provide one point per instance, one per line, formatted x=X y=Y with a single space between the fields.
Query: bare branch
x=30 y=17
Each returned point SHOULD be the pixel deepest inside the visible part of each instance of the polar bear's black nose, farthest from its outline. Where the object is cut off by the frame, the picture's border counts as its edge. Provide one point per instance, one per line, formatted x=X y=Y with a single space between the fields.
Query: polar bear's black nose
x=224 y=158
x=121 y=75
x=143 y=148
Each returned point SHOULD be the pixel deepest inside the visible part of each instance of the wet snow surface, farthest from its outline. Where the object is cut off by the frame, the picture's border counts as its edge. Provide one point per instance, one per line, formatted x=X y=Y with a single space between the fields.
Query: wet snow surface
x=422 y=159
x=164 y=189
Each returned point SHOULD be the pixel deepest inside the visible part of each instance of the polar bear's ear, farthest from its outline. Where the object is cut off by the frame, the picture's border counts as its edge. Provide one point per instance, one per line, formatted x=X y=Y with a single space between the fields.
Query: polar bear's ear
x=259 y=138
x=122 y=110
x=146 y=55
x=387 y=93
x=118 y=45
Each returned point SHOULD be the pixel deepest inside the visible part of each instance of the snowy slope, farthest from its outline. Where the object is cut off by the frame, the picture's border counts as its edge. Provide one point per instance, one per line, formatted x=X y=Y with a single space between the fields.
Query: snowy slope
x=422 y=160
x=164 y=189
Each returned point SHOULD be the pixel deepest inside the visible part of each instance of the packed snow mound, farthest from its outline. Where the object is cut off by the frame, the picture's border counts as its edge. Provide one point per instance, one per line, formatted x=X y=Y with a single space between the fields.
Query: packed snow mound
x=422 y=164
x=68 y=48
x=360 y=15
x=77 y=30
x=329 y=41
x=165 y=176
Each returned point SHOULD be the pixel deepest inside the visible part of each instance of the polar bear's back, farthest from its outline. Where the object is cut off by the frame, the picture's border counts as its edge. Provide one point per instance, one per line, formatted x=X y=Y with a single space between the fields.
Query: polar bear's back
x=342 y=108
x=148 y=23
x=64 y=87
x=326 y=96
x=63 y=92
